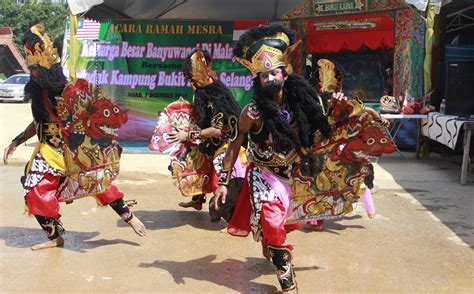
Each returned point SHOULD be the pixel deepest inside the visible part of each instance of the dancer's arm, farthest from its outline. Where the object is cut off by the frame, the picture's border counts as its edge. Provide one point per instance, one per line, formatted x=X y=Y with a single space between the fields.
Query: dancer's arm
x=29 y=132
x=183 y=136
x=214 y=131
x=245 y=125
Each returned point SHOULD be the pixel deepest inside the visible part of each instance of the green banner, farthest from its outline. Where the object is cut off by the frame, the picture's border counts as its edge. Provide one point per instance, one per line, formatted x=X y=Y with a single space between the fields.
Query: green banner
x=139 y=64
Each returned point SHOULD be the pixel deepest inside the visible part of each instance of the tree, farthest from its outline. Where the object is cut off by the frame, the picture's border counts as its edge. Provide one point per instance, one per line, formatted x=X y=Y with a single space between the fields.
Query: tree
x=20 y=17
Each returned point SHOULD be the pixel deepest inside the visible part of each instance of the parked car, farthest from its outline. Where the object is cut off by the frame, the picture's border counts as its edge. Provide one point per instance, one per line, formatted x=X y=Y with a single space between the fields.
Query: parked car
x=13 y=88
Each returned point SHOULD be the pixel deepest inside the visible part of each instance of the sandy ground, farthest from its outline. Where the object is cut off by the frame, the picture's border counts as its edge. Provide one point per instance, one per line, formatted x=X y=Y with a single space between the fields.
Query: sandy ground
x=420 y=241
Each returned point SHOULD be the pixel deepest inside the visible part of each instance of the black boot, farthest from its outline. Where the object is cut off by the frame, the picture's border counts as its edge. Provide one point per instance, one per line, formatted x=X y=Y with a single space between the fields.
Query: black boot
x=52 y=226
x=281 y=258
x=122 y=209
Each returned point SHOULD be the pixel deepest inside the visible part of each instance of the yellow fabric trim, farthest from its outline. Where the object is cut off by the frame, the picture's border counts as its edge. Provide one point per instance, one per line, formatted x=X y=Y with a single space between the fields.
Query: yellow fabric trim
x=242 y=153
x=52 y=157
x=73 y=46
x=219 y=151
x=30 y=162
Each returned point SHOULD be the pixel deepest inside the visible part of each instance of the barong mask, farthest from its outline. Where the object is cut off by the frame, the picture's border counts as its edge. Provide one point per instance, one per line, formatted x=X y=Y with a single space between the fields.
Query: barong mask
x=96 y=116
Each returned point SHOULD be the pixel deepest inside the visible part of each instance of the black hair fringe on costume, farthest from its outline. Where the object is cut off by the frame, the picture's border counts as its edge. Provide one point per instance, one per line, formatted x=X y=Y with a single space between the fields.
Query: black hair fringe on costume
x=221 y=99
x=216 y=94
x=283 y=134
x=256 y=34
x=52 y=80
x=34 y=90
x=301 y=100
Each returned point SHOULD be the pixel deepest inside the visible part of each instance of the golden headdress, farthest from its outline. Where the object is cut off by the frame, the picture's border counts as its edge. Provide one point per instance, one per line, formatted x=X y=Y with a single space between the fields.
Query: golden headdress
x=267 y=47
x=197 y=68
x=38 y=47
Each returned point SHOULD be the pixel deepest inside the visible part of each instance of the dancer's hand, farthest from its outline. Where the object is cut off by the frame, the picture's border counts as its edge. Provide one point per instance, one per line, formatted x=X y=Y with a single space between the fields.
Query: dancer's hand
x=8 y=151
x=339 y=96
x=219 y=195
x=180 y=137
x=211 y=132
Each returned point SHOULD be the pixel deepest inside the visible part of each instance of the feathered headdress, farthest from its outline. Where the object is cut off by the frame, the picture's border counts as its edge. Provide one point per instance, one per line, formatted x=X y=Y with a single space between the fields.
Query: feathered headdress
x=267 y=47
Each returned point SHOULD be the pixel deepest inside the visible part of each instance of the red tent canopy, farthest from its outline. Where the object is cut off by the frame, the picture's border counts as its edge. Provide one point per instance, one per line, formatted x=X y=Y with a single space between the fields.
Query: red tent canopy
x=334 y=34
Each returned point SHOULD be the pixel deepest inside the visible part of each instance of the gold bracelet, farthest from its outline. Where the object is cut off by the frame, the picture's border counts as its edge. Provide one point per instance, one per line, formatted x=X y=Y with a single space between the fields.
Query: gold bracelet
x=194 y=135
x=224 y=176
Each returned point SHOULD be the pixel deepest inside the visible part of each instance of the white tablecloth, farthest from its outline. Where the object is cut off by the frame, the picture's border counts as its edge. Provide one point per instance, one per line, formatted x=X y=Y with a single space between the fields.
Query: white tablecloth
x=442 y=128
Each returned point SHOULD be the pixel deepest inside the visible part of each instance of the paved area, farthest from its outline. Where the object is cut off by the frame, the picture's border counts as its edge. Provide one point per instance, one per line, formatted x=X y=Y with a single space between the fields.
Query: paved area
x=421 y=240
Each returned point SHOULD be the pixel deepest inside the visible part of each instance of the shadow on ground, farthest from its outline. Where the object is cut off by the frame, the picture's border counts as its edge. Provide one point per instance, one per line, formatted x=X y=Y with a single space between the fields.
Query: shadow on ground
x=231 y=273
x=168 y=219
x=75 y=241
x=333 y=227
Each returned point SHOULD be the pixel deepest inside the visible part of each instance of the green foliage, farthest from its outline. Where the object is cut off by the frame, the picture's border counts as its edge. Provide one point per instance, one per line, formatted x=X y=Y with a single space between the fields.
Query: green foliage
x=20 y=17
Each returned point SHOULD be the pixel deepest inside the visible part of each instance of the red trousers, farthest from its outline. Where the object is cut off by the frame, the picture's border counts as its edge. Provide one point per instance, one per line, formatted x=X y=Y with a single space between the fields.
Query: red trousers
x=42 y=199
x=274 y=230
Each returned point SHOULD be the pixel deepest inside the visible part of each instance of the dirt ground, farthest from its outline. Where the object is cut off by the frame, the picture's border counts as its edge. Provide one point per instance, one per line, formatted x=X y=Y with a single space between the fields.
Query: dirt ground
x=420 y=241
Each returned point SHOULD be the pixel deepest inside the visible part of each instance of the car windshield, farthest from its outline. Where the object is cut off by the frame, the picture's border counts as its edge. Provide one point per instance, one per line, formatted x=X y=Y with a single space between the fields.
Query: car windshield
x=17 y=80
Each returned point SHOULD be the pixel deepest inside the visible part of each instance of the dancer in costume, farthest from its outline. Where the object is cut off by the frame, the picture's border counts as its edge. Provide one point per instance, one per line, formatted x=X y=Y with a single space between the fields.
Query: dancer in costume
x=77 y=154
x=213 y=123
x=283 y=117
x=302 y=164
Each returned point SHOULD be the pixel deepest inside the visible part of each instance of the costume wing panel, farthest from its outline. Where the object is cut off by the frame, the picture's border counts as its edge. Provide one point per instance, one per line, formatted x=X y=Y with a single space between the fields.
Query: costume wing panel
x=90 y=123
x=330 y=178
x=191 y=169
x=177 y=115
